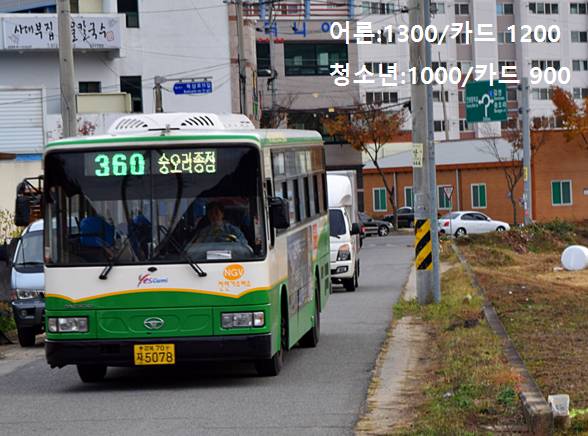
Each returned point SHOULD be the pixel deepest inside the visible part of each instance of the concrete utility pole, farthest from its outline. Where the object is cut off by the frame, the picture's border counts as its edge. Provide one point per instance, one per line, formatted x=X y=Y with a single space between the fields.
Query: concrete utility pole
x=424 y=175
x=66 y=70
x=526 y=131
x=273 y=77
x=241 y=58
x=158 y=80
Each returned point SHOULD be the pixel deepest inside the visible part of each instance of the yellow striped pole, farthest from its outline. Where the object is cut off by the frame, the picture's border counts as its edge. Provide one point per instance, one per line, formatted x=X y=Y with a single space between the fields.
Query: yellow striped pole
x=423 y=245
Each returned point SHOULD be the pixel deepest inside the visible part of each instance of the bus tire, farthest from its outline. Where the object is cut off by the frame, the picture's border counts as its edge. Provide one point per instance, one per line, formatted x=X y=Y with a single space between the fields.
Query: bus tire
x=26 y=337
x=91 y=373
x=311 y=338
x=272 y=366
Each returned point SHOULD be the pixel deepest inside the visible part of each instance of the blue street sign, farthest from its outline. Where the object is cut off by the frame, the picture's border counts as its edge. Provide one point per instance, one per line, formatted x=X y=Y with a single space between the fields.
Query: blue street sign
x=193 y=87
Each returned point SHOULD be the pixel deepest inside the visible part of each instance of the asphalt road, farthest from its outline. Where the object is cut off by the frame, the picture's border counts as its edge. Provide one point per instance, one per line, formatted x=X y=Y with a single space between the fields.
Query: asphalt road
x=320 y=391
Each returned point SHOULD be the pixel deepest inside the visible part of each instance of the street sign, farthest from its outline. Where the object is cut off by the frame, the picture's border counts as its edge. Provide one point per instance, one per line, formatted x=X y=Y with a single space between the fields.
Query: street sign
x=448 y=192
x=485 y=103
x=204 y=87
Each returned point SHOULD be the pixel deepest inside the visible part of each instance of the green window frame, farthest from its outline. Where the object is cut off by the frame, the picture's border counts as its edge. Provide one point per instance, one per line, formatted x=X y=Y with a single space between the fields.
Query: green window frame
x=442 y=201
x=380 y=200
x=408 y=196
x=313 y=59
x=479 y=196
x=561 y=193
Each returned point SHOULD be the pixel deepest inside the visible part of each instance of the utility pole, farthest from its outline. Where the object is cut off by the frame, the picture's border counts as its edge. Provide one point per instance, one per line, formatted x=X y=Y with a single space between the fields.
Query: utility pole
x=158 y=80
x=273 y=77
x=66 y=70
x=241 y=58
x=424 y=174
x=526 y=128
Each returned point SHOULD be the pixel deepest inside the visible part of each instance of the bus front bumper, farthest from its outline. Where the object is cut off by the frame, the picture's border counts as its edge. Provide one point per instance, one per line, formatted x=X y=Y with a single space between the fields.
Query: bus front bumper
x=193 y=349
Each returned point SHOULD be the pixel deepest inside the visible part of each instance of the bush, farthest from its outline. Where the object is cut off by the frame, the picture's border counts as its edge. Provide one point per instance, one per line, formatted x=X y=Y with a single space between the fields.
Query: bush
x=6 y=319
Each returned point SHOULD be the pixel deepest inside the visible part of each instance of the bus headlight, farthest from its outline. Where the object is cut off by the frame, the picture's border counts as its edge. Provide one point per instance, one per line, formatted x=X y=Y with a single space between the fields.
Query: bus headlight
x=242 y=320
x=68 y=325
x=344 y=253
x=27 y=294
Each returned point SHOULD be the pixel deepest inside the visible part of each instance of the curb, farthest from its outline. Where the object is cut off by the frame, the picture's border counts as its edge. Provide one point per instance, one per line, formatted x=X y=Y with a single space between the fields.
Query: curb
x=538 y=413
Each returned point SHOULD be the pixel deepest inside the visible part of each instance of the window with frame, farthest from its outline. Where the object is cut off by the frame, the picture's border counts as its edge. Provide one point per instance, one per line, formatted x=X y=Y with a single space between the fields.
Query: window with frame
x=437 y=96
x=561 y=192
x=439 y=125
x=461 y=38
x=89 y=87
x=578 y=8
x=462 y=9
x=542 y=93
x=580 y=93
x=381 y=97
x=436 y=65
x=464 y=126
x=543 y=64
x=380 y=200
x=313 y=59
x=442 y=201
x=580 y=65
x=511 y=94
x=544 y=8
x=479 y=200
x=264 y=64
x=408 y=197
x=579 y=36
x=504 y=38
x=131 y=10
x=438 y=8
x=133 y=85
x=504 y=9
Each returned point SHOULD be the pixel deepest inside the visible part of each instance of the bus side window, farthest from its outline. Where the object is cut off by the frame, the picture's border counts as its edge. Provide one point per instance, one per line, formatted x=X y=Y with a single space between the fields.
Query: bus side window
x=315 y=195
x=307 y=198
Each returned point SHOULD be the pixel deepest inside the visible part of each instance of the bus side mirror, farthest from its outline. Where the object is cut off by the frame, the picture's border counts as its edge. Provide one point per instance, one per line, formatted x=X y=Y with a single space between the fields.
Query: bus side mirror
x=22 y=211
x=279 y=213
x=355 y=230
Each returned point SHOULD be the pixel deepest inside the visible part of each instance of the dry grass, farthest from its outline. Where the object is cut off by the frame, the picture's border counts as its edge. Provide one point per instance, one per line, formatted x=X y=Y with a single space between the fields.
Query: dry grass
x=544 y=309
x=471 y=385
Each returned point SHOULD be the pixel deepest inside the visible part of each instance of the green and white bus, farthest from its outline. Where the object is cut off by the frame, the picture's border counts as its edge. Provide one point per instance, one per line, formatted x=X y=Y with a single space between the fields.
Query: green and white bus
x=184 y=237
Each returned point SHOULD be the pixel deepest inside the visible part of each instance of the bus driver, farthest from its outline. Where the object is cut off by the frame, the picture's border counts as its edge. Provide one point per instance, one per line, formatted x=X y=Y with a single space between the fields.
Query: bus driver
x=219 y=230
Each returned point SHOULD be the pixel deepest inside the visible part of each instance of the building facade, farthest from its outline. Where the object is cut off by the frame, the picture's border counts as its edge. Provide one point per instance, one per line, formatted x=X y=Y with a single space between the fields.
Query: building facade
x=571 y=52
x=477 y=177
x=120 y=47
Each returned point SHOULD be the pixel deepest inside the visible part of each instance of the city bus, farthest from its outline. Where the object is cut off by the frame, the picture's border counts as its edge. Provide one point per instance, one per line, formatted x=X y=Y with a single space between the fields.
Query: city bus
x=184 y=237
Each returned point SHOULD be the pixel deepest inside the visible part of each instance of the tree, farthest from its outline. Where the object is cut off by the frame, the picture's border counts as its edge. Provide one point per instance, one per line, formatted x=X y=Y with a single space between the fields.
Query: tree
x=273 y=118
x=574 y=117
x=511 y=159
x=368 y=129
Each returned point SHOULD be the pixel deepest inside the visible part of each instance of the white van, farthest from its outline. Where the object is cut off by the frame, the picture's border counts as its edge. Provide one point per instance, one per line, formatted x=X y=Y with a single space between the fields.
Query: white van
x=344 y=231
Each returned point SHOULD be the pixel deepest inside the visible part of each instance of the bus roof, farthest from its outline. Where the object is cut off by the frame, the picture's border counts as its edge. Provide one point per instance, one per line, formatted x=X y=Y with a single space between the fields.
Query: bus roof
x=173 y=127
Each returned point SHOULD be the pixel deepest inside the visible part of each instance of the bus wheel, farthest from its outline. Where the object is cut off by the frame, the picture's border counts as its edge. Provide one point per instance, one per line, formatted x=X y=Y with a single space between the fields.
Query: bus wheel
x=91 y=373
x=311 y=338
x=26 y=336
x=272 y=366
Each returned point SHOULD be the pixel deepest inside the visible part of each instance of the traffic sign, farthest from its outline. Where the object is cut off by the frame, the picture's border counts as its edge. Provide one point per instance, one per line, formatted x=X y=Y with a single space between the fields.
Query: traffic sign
x=204 y=87
x=448 y=192
x=485 y=103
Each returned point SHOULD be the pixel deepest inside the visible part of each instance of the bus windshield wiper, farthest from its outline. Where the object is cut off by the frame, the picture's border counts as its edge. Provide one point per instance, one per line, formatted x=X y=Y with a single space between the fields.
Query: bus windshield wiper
x=186 y=256
x=104 y=274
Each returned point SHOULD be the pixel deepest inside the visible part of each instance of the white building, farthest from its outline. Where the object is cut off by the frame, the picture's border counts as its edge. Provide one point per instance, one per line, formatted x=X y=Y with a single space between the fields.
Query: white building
x=571 y=51
x=119 y=46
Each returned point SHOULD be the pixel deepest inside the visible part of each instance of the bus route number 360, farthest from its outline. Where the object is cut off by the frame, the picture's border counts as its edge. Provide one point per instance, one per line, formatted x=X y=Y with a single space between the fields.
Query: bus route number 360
x=155 y=354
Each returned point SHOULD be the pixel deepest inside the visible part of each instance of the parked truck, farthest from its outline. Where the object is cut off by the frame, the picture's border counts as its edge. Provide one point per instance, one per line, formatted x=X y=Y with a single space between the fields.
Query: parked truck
x=344 y=228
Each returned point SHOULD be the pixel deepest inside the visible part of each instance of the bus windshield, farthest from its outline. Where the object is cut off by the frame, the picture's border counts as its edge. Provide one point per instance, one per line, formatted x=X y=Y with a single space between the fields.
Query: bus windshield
x=154 y=205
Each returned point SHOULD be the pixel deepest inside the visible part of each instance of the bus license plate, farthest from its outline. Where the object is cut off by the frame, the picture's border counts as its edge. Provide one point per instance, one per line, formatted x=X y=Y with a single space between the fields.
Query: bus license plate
x=155 y=354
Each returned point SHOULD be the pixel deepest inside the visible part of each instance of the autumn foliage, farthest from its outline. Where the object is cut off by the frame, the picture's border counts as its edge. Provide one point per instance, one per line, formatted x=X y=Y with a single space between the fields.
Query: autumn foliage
x=574 y=117
x=369 y=129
